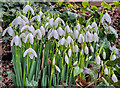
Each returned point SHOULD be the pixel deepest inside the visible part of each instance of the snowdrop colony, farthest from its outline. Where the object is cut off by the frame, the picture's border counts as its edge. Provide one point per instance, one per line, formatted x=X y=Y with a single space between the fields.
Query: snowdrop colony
x=48 y=50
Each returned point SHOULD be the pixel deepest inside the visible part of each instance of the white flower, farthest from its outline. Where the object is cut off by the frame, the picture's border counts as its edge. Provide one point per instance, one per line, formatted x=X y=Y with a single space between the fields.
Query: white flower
x=62 y=41
x=42 y=30
x=89 y=27
x=25 y=19
x=30 y=37
x=104 y=55
x=94 y=26
x=68 y=40
x=57 y=68
x=41 y=13
x=76 y=33
x=92 y=49
x=75 y=63
x=55 y=34
x=114 y=31
x=90 y=57
x=106 y=71
x=88 y=37
x=54 y=61
x=16 y=40
x=67 y=29
x=36 y=17
x=78 y=27
x=39 y=34
x=113 y=57
x=30 y=28
x=51 y=21
x=23 y=35
x=86 y=50
x=114 y=78
x=31 y=53
x=95 y=37
x=10 y=31
x=98 y=60
x=17 y=21
x=57 y=21
x=81 y=38
x=66 y=59
x=106 y=17
x=116 y=50
x=26 y=8
x=75 y=48
x=69 y=52
x=60 y=31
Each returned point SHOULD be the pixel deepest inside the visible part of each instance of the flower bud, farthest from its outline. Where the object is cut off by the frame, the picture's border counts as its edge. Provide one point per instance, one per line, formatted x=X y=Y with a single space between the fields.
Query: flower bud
x=114 y=78
x=98 y=60
x=113 y=57
x=86 y=50
x=106 y=71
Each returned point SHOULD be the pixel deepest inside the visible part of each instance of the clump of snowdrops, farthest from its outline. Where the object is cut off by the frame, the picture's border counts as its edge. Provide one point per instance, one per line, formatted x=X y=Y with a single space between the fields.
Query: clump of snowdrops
x=48 y=50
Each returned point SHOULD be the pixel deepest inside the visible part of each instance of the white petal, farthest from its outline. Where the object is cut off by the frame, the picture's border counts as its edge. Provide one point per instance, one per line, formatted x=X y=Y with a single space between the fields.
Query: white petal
x=12 y=41
x=114 y=78
x=10 y=31
x=25 y=27
x=67 y=29
x=75 y=63
x=81 y=38
x=92 y=49
x=32 y=29
x=54 y=61
x=36 y=17
x=69 y=39
x=42 y=30
x=57 y=68
x=66 y=59
x=98 y=60
x=30 y=37
x=56 y=36
x=113 y=57
x=25 y=19
x=78 y=27
x=76 y=33
x=94 y=25
x=104 y=55
x=60 y=31
x=25 y=9
x=95 y=37
x=17 y=40
x=62 y=41
x=88 y=27
x=51 y=21
x=75 y=48
x=69 y=52
x=86 y=50
x=39 y=34
x=106 y=71
x=107 y=17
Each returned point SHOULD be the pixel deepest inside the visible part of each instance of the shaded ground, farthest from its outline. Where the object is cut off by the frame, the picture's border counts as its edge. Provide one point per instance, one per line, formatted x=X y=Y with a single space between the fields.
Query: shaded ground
x=6 y=49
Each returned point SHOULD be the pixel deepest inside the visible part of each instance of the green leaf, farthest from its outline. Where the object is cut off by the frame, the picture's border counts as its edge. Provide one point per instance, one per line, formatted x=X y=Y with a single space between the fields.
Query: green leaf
x=105 y=5
x=116 y=3
x=70 y=5
x=111 y=37
x=85 y=4
x=94 y=8
x=113 y=63
x=77 y=71
x=84 y=10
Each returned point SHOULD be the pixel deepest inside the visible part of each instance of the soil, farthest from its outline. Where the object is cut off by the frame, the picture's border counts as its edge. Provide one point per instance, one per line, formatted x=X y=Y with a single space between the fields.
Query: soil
x=6 y=64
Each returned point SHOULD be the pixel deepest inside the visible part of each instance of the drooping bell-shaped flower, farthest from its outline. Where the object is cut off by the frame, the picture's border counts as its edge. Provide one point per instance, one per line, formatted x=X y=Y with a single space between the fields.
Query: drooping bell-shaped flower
x=30 y=28
x=92 y=49
x=30 y=52
x=25 y=19
x=76 y=33
x=114 y=78
x=66 y=59
x=18 y=21
x=106 y=71
x=29 y=37
x=94 y=26
x=54 y=61
x=75 y=63
x=78 y=27
x=67 y=29
x=57 y=21
x=81 y=38
x=42 y=30
x=104 y=54
x=106 y=17
x=38 y=33
x=10 y=31
x=57 y=68
x=113 y=57
x=23 y=35
x=26 y=8
x=41 y=13
x=62 y=41
x=88 y=37
x=95 y=37
x=60 y=31
x=55 y=34
x=68 y=40
x=16 y=40
x=69 y=52
x=51 y=21
x=36 y=17
x=98 y=60
x=86 y=50
x=75 y=48
x=89 y=27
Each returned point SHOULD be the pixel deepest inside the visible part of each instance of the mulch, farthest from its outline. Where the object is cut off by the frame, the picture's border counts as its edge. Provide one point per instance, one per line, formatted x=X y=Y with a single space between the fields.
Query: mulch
x=6 y=64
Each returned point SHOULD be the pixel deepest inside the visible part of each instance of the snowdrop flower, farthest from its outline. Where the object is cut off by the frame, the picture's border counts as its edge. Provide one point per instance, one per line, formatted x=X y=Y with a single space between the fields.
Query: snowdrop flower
x=42 y=30
x=78 y=27
x=23 y=35
x=81 y=38
x=88 y=37
x=86 y=50
x=114 y=31
x=30 y=37
x=26 y=8
x=55 y=34
x=31 y=53
x=69 y=52
x=113 y=57
x=10 y=31
x=94 y=26
x=51 y=21
x=66 y=59
x=95 y=37
x=25 y=19
x=39 y=34
x=104 y=54
x=75 y=48
x=89 y=27
x=57 y=68
x=76 y=33
x=57 y=21
x=75 y=63
x=106 y=17
x=60 y=31
x=36 y=17
x=41 y=13
x=116 y=50
x=92 y=49
x=68 y=40
x=54 y=61
x=62 y=41
x=98 y=60
x=16 y=40
x=30 y=28
x=17 y=21
x=90 y=57
x=106 y=71
x=114 y=78
x=67 y=29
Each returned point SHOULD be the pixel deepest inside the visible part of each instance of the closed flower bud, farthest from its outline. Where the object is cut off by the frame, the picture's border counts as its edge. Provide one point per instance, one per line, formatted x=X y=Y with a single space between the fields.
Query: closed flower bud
x=104 y=55
x=54 y=61
x=114 y=78
x=86 y=50
x=75 y=63
x=66 y=59
x=98 y=60
x=106 y=71
x=92 y=49
x=57 y=68
x=69 y=52
x=113 y=57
